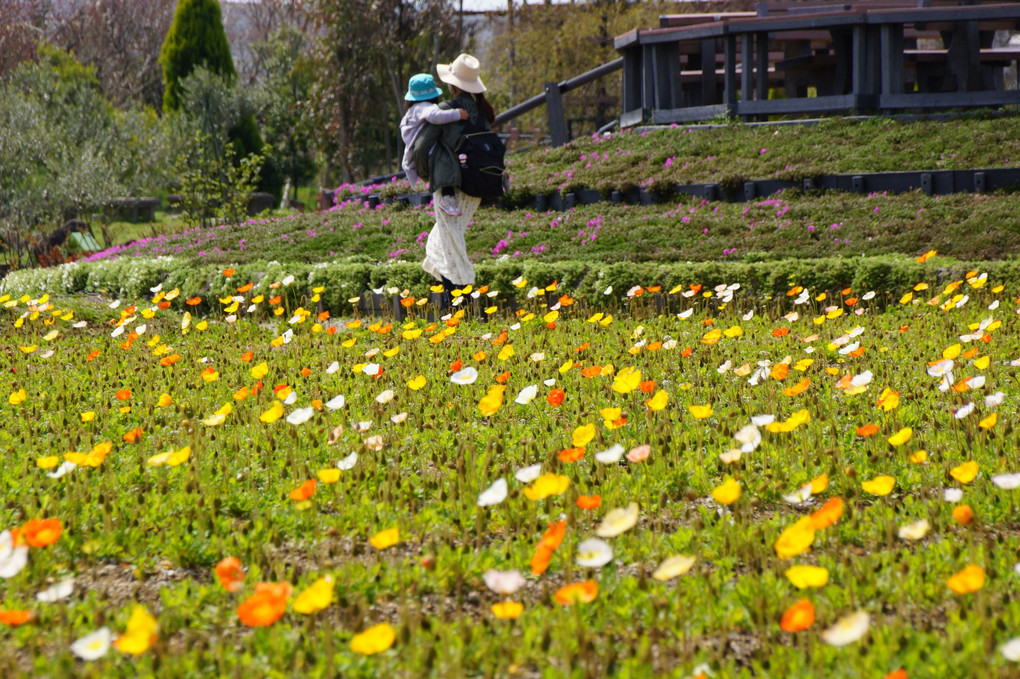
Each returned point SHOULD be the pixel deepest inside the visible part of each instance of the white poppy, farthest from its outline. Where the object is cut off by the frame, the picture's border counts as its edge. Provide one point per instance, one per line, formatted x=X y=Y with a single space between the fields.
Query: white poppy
x=731 y=456
x=527 y=394
x=964 y=410
x=371 y=369
x=467 y=375
x=12 y=559
x=291 y=398
x=685 y=314
x=538 y=356
x=64 y=468
x=792 y=317
x=333 y=367
x=374 y=442
x=398 y=418
x=749 y=315
x=869 y=295
x=348 y=462
x=914 y=531
x=608 y=290
x=993 y=400
x=611 y=455
x=1011 y=650
x=61 y=590
x=848 y=629
x=618 y=521
x=1007 y=481
x=941 y=367
x=993 y=306
x=763 y=420
x=80 y=324
x=550 y=382
x=976 y=382
x=724 y=367
x=300 y=416
x=515 y=326
x=529 y=473
x=856 y=332
x=594 y=553
x=336 y=403
x=118 y=331
x=385 y=397
x=862 y=380
x=288 y=280
x=494 y=494
x=93 y=646
x=504 y=583
x=952 y=495
x=748 y=437
x=673 y=567
x=801 y=496
x=362 y=426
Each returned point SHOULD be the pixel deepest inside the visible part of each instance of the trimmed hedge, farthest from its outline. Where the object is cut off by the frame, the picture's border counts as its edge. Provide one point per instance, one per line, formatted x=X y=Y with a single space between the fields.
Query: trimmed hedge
x=132 y=278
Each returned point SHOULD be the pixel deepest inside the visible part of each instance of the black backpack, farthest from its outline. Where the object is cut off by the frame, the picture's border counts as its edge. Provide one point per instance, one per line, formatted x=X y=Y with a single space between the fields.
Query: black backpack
x=480 y=153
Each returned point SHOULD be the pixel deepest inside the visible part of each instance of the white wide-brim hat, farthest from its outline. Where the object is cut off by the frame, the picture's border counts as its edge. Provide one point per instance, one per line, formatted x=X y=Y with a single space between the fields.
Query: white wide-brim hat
x=462 y=73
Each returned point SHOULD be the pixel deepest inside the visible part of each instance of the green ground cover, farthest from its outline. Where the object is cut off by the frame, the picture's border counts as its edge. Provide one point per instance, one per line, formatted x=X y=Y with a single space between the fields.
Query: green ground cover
x=434 y=414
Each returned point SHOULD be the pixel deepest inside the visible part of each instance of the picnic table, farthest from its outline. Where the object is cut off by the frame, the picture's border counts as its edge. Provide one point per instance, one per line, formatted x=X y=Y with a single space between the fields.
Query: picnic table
x=866 y=56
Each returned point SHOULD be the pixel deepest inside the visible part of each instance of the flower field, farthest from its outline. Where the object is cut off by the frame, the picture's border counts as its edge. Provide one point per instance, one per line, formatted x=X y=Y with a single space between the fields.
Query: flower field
x=699 y=481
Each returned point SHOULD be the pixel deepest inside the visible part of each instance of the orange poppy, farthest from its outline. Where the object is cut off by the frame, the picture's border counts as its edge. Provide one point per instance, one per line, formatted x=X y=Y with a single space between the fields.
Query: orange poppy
x=798 y=617
x=867 y=430
x=499 y=340
x=228 y=272
x=230 y=573
x=780 y=332
x=654 y=288
x=654 y=346
x=245 y=288
x=164 y=305
x=582 y=347
x=850 y=301
x=555 y=397
x=455 y=366
x=845 y=291
x=194 y=301
x=550 y=542
x=551 y=325
x=827 y=514
x=123 y=394
x=15 y=618
x=331 y=330
x=589 y=501
x=407 y=302
x=305 y=372
x=168 y=361
x=503 y=377
x=593 y=371
x=133 y=435
x=566 y=300
x=963 y=514
x=41 y=532
x=304 y=491
x=265 y=606
x=798 y=388
x=686 y=351
x=578 y=592
x=275 y=300
x=247 y=356
x=648 y=386
x=858 y=352
x=904 y=328
x=92 y=355
x=897 y=674
x=780 y=371
x=571 y=454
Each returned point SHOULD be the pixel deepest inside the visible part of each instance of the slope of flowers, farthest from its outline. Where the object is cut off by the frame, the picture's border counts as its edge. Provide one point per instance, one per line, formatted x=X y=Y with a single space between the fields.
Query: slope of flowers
x=793 y=486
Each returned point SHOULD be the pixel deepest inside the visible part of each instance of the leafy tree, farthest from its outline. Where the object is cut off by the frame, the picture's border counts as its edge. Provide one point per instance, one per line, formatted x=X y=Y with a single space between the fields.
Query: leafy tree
x=66 y=152
x=196 y=38
x=366 y=51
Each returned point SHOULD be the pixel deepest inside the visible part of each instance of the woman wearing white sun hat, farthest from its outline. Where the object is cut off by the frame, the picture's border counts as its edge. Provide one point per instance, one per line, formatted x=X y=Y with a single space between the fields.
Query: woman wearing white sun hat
x=445 y=252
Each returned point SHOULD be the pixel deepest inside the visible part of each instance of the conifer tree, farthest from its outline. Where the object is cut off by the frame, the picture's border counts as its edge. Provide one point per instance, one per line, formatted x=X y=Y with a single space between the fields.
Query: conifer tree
x=196 y=38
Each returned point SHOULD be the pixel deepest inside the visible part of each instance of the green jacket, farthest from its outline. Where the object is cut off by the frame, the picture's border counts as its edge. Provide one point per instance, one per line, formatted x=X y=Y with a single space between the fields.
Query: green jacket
x=435 y=156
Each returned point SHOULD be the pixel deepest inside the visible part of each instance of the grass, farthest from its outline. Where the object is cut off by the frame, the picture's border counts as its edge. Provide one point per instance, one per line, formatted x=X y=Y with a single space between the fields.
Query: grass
x=138 y=534
x=731 y=154
x=965 y=226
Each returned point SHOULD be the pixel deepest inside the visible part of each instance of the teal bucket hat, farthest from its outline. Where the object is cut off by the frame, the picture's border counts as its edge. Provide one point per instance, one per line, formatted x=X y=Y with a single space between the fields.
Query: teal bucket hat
x=422 y=87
